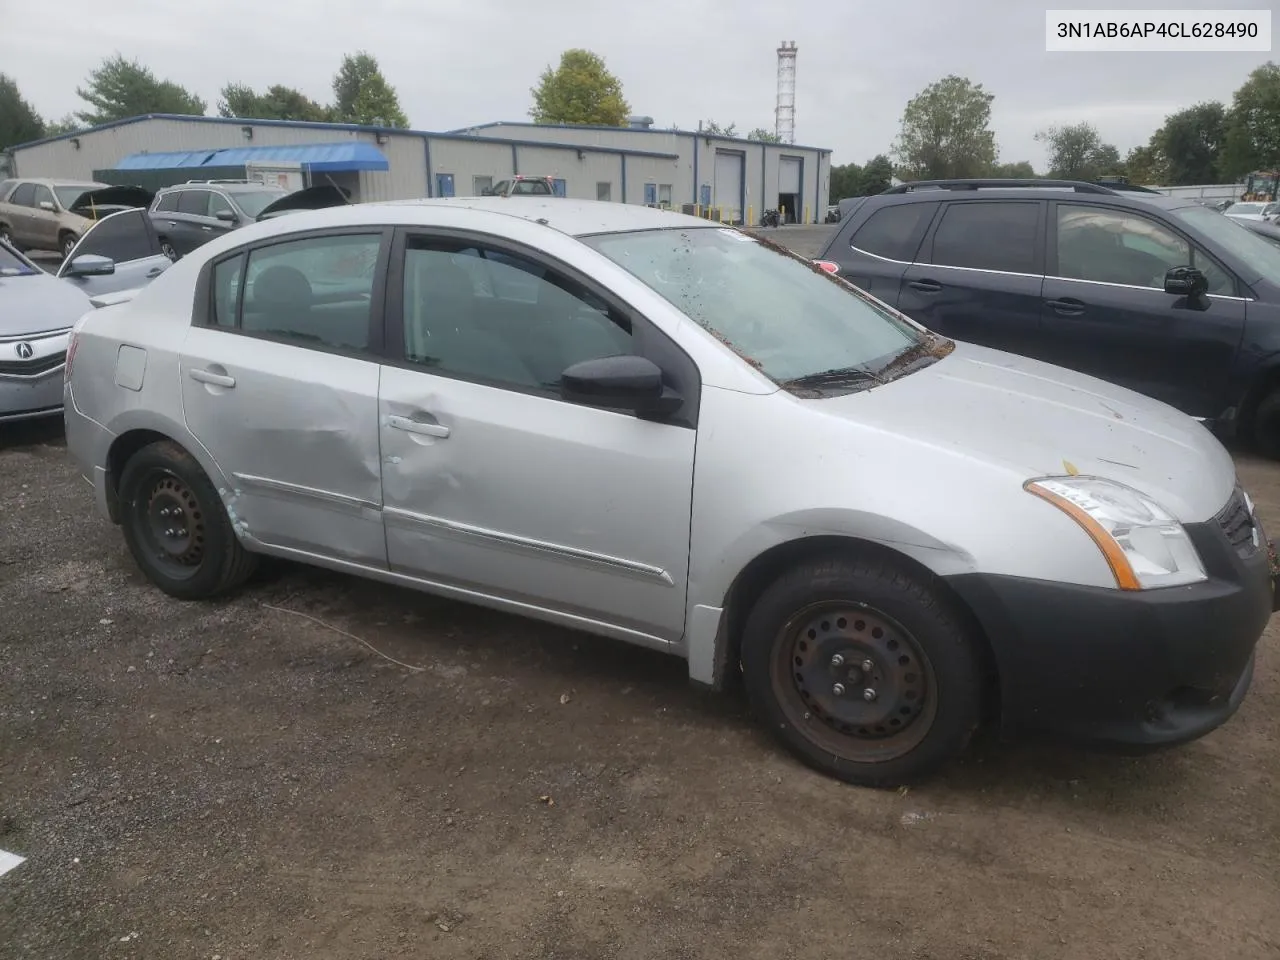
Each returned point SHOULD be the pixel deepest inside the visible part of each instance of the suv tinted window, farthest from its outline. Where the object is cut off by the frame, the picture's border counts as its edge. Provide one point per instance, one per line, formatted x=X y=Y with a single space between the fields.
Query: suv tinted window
x=317 y=291
x=168 y=203
x=493 y=316
x=894 y=232
x=122 y=237
x=25 y=195
x=194 y=202
x=988 y=235
x=1110 y=246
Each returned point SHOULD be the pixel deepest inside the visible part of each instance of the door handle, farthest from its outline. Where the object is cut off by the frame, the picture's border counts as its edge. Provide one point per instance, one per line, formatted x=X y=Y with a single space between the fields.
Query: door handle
x=155 y=272
x=205 y=227
x=216 y=379
x=925 y=286
x=1067 y=307
x=424 y=428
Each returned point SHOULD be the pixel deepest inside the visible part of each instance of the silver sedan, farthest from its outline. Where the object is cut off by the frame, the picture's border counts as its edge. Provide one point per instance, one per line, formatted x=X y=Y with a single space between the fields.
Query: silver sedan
x=654 y=428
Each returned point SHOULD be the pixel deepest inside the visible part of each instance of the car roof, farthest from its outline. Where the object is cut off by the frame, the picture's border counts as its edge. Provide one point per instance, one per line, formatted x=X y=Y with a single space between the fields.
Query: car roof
x=574 y=217
x=50 y=182
x=1111 y=198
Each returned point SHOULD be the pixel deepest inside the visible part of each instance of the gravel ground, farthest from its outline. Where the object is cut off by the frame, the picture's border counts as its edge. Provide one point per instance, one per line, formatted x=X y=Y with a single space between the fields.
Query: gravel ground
x=236 y=780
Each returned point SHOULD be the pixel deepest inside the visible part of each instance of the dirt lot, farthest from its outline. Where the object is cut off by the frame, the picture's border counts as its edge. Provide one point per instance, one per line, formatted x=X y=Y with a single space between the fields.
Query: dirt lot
x=234 y=781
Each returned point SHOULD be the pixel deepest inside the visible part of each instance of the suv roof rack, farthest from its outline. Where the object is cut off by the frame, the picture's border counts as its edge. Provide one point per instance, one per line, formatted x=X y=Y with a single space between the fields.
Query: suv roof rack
x=1124 y=186
x=1079 y=186
x=214 y=181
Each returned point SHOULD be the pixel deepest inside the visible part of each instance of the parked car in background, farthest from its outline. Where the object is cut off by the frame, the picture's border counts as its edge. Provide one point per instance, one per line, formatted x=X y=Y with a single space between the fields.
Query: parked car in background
x=37 y=312
x=1157 y=294
x=693 y=413
x=1267 y=231
x=1252 y=211
x=522 y=186
x=191 y=214
x=121 y=252
x=37 y=214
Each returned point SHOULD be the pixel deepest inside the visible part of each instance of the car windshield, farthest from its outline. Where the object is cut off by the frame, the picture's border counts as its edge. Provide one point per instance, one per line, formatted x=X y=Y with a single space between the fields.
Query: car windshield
x=776 y=310
x=532 y=186
x=12 y=265
x=67 y=196
x=1261 y=258
x=253 y=202
x=1236 y=209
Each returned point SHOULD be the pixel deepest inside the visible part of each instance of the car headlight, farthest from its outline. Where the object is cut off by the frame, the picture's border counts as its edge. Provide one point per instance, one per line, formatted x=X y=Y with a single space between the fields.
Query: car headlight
x=1145 y=546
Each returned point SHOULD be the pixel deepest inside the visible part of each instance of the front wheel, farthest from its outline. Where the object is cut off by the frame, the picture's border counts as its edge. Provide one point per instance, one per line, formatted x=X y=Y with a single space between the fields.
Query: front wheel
x=167 y=249
x=68 y=244
x=176 y=526
x=863 y=671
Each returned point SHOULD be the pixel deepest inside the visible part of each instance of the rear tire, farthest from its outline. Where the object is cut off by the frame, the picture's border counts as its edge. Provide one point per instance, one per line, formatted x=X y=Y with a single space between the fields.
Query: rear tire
x=1266 y=426
x=863 y=671
x=176 y=526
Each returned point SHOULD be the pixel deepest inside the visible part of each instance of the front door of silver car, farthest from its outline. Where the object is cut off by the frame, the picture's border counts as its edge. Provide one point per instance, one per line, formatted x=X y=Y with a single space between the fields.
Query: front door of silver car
x=129 y=241
x=493 y=481
x=280 y=321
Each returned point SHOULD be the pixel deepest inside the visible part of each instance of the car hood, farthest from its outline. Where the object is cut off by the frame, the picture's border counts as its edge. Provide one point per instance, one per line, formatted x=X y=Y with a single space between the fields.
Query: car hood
x=92 y=203
x=1035 y=419
x=33 y=304
x=309 y=198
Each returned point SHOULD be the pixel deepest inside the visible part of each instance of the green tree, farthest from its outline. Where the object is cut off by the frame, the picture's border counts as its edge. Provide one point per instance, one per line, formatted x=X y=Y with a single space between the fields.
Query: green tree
x=1253 y=125
x=19 y=121
x=876 y=176
x=277 y=103
x=68 y=124
x=946 y=132
x=362 y=94
x=1076 y=152
x=1021 y=170
x=580 y=90
x=1144 y=166
x=764 y=136
x=845 y=181
x=121 y=88
x=716 y=130
x=1190 y=141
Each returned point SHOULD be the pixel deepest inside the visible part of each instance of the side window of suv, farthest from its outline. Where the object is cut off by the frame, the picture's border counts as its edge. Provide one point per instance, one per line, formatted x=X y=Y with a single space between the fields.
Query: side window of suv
x=24 y=195
x=194 y=202
x=1111 y=246
x=168 y=203
x=894 y=232
x=997 y=235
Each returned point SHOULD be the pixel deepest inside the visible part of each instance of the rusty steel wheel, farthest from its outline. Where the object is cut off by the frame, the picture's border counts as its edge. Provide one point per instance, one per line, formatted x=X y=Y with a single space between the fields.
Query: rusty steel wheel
x=856 y=680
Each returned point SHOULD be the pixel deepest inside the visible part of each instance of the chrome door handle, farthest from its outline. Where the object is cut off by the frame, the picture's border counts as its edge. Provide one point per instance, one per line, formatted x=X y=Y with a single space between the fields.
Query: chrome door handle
x=216 y=379
x=425 y=428
x=206 y=228
x=155 y=271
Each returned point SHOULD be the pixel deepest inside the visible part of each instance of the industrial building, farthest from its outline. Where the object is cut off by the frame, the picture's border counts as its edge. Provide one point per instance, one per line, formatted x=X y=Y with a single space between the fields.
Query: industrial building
x=726 y=178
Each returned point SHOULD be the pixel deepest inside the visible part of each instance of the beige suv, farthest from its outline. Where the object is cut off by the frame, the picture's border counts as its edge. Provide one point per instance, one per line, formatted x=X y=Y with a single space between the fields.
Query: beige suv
x=54 y=214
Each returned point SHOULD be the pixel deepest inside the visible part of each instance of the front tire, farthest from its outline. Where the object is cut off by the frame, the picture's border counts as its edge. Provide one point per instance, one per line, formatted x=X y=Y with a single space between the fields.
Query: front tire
x=176 y=526
x=68 y=243
x=863 y=671
x=167 y=249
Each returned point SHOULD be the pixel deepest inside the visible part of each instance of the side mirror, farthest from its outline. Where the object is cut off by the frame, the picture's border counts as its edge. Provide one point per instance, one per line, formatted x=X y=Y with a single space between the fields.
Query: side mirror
x=91 y=265
x=620 y=383
x=47 y=205
x=1185 y=282
x=226 y=216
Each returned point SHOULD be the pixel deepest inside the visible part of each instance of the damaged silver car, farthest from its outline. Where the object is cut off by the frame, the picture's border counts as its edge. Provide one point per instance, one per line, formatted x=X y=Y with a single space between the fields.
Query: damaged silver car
x=649 y=427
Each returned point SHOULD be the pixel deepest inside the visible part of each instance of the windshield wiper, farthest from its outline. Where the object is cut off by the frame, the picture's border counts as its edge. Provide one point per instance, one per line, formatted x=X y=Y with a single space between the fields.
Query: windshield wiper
x=835 y=377
x=908 y=359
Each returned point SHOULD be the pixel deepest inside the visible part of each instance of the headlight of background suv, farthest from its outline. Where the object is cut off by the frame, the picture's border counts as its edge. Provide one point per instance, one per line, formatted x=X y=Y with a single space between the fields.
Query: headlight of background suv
x=1145 y=546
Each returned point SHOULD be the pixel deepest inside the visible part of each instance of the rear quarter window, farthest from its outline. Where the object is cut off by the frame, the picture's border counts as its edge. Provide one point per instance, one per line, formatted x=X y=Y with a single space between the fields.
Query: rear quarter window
x=1000 y=235
x=894 y=232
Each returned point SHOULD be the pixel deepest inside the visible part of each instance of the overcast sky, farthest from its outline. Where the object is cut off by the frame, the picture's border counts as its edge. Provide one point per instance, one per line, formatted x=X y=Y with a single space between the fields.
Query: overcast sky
x=471 y=61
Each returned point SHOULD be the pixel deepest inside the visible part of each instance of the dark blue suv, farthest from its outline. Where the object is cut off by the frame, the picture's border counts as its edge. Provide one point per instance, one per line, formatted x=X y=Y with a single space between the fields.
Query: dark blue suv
x=1163 y=296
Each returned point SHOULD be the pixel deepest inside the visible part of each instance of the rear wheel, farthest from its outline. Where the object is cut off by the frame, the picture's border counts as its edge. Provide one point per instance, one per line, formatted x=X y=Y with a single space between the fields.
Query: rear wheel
x=1266 y=426
x=176 y=526
x=863 y=671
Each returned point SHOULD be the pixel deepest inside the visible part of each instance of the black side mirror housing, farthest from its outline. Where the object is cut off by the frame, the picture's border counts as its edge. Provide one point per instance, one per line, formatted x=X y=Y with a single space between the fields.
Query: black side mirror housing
x=620 y=383
x=1186 y=282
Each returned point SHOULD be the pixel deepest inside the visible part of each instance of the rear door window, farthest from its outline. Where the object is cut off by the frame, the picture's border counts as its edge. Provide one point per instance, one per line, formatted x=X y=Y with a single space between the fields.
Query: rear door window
x=1000 y=235
x=194 y=202
x=894 y=232
x=168 y=203
x=25 y=195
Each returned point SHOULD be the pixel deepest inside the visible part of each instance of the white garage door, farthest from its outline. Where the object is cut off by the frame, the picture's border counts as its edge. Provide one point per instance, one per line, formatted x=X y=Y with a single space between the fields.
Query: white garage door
x=728 y=185
x=789 y=175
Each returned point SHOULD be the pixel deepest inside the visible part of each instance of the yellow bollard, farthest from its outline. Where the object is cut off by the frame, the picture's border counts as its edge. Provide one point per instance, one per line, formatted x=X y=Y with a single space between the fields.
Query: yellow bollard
x=751 y=216
x=806 y=213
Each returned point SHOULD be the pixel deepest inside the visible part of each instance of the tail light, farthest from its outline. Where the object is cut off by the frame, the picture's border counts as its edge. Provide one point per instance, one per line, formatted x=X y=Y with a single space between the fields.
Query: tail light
x=827 y=266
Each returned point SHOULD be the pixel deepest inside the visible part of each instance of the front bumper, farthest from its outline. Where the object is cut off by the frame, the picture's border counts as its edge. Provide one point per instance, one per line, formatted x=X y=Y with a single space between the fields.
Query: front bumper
x=1131 y=670
x=26 y=398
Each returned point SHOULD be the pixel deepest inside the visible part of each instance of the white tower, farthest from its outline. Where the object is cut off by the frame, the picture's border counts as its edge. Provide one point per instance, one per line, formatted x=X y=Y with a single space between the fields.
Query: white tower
x=785 y=114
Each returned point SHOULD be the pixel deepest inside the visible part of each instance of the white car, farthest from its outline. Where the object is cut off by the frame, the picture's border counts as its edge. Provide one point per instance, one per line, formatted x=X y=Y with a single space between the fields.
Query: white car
x=650 y=427
x=1252 y=211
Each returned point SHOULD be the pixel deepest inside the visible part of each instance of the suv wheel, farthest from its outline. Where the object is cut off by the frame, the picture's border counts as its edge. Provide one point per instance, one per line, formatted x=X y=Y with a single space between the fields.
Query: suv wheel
x=863 y=671
x=167 y=249
x=68 y=243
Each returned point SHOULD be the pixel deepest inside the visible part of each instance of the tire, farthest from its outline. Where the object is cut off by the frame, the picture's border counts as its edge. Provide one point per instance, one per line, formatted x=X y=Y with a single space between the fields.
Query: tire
x=167 y=249
x=67 y=243
x=199 y=556
x=1266 y=426
x=806 y=645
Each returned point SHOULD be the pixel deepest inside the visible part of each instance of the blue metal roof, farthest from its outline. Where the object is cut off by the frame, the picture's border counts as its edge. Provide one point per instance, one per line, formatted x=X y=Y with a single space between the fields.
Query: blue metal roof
x=315 y=157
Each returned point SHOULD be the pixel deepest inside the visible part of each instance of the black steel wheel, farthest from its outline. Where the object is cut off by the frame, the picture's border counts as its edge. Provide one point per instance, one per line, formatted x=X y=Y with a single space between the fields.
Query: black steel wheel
x=863 y=670
x=177 y=527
